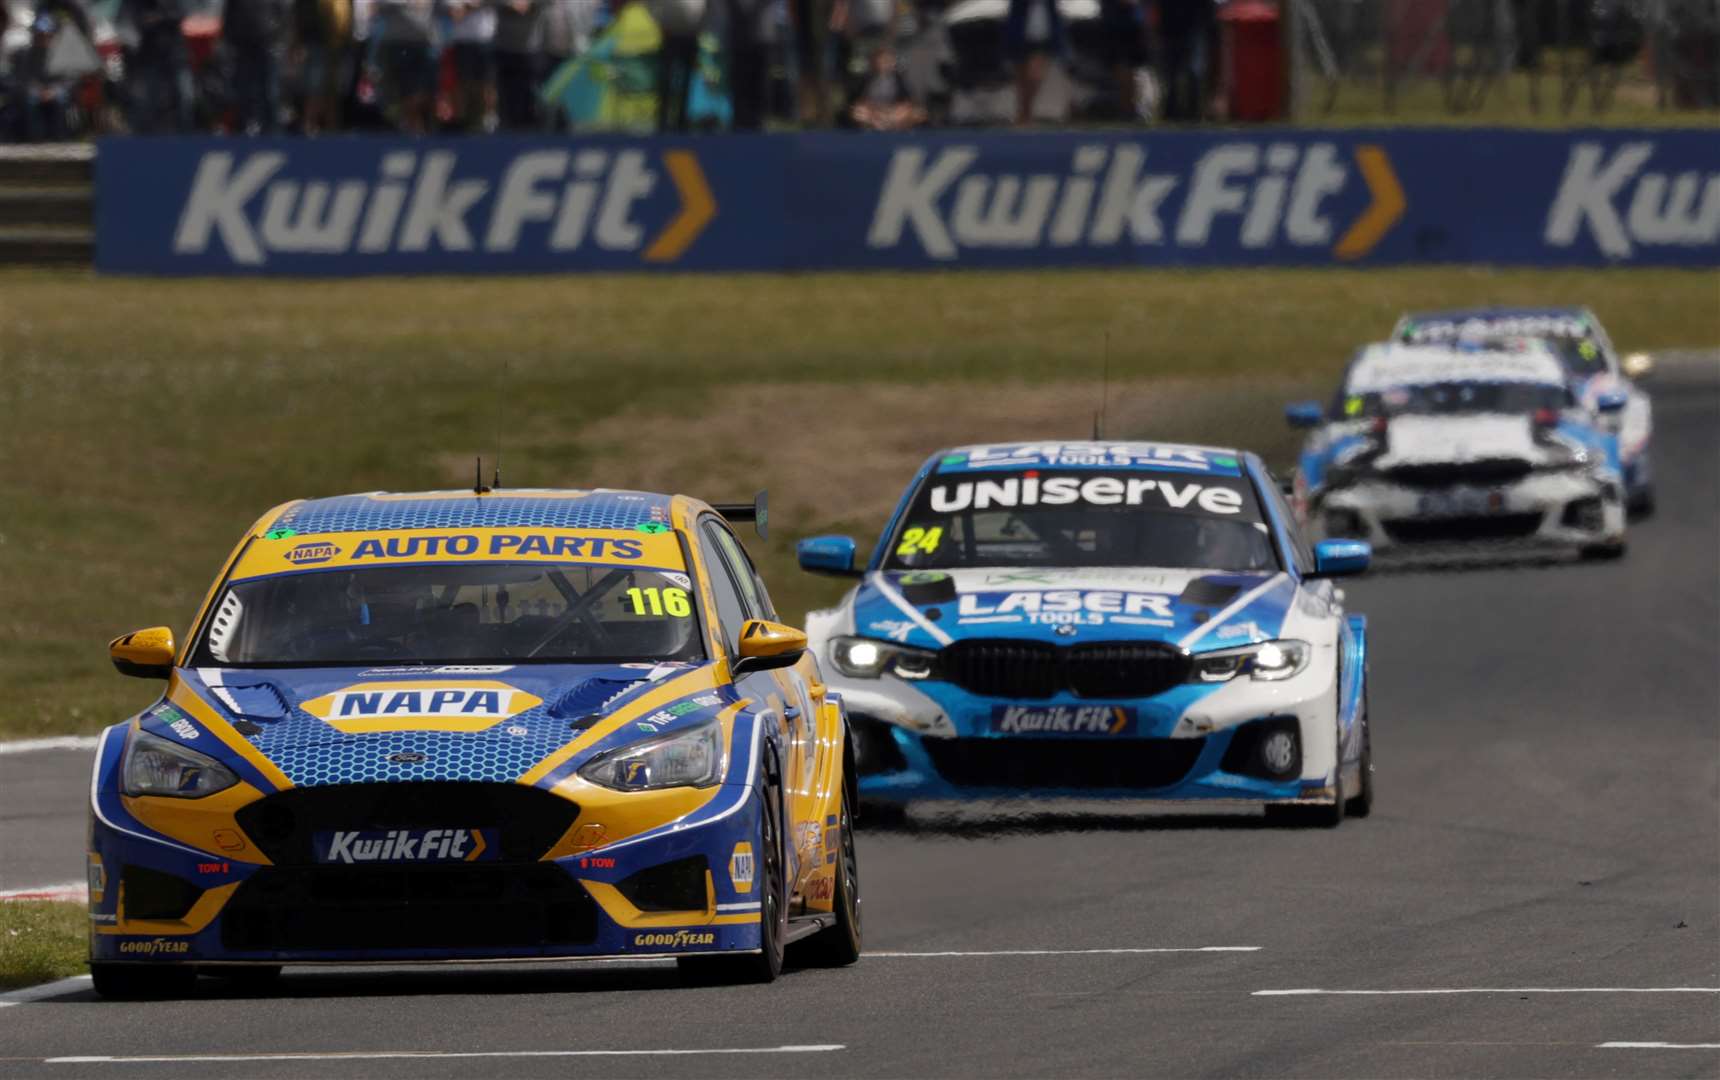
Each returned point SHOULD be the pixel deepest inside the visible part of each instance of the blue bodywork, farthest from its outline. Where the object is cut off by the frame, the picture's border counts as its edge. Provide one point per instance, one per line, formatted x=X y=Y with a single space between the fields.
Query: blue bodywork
x=1210 y=611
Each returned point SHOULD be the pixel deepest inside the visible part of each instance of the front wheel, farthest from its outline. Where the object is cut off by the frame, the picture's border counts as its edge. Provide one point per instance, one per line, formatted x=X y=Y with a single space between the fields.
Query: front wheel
x=766 y=964
x=1604 y=552
x=142 y=982
x=1362 y=803
x=1315 y=815
x=838 y=945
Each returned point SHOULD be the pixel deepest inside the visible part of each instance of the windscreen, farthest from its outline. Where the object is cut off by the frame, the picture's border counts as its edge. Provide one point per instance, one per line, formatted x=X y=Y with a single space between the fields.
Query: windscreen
x=466 y=612
x=1455 y=398
x=1081 y=518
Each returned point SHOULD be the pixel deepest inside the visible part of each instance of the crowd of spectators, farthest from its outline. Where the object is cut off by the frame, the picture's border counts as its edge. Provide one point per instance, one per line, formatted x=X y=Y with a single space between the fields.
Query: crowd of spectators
x=421 y=66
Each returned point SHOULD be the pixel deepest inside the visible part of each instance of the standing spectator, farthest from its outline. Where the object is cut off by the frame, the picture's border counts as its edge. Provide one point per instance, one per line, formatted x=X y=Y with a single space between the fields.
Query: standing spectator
x=470 y=41
x=1185 y=27
x=405 y=40
x=677 y=58
x=161 y=94
x=519 y=37
x=251 y=31
x=751 y=31
x=322 y=30
x=561 y=36
x=1032 y=34
x=1124 y=44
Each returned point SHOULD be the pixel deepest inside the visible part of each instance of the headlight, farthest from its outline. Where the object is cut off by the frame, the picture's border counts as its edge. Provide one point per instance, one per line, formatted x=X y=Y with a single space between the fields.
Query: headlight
x=693 y=758
x=1268 y=661
x=863 y=658
x=157 y=766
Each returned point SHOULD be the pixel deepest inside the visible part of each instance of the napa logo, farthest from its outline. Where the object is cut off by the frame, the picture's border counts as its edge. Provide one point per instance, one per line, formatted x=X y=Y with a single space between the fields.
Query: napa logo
x=255 y=205
x=310 y=554
x=417 y=706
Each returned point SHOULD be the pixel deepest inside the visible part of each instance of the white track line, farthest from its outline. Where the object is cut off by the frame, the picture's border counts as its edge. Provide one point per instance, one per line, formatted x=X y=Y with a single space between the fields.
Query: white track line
x=56 y=742
x=45 y=991
x=1070 y=952
x=1504 y=990
x=378 y=1055
x=71 y=890
x=1656 y=1046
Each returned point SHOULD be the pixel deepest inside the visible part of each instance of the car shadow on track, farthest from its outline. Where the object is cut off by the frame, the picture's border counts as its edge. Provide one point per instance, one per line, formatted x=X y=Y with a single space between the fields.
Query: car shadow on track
x=1040 y=822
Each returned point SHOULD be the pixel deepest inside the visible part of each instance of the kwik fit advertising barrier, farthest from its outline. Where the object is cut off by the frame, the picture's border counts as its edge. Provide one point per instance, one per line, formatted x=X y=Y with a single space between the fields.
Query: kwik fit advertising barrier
x=829 y=201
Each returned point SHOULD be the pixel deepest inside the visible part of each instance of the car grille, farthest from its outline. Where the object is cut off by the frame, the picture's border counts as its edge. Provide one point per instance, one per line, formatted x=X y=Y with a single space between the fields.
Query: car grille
x=1490 y=472
x=1064 y=763
x=1453 y=529
x=371 y=907
x=1030 y=669
x=530 y=820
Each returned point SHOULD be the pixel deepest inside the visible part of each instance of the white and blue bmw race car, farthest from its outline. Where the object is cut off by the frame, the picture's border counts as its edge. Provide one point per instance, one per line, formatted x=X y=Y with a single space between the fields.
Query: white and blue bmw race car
x=1099 y=619
x=1603 y=380
x=1437 y=449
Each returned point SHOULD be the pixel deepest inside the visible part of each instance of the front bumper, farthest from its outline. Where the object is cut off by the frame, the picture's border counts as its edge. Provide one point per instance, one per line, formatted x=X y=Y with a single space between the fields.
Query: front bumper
x=666 y=891
x=930 y=741
x=1541 y=511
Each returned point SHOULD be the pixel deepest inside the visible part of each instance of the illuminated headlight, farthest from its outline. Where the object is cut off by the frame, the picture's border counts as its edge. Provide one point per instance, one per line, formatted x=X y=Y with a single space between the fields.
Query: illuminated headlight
x=157 y=766
x=863 y=658
x=693 y=758
x=1268 y=661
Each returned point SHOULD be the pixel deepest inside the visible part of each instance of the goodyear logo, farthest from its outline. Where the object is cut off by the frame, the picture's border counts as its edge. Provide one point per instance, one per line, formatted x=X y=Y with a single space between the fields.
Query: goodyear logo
x=674 y=939
x=309 y=554
x=416 y=202
x=155 y=947
x=1270 y=194
x=417 y=706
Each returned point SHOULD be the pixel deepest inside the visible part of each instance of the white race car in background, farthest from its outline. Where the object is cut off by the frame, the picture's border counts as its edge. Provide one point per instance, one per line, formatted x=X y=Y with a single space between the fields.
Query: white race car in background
x=1431 y=448
x=1598 y=374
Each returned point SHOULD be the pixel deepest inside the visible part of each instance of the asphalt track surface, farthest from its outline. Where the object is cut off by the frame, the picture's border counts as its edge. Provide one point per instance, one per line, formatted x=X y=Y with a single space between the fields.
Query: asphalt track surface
x=1548 y=749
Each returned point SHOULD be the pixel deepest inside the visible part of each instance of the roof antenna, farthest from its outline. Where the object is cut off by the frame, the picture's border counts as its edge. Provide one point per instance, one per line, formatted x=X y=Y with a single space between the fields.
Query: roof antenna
x=478 y=487
x=497 y=481
x=1104 y=392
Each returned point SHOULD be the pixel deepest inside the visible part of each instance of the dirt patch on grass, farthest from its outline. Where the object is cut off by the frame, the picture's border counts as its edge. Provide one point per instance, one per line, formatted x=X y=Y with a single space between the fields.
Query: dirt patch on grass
x=840 y=452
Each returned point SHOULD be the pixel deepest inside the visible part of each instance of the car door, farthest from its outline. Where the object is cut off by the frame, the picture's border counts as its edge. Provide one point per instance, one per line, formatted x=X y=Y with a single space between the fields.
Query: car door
x=788 y=691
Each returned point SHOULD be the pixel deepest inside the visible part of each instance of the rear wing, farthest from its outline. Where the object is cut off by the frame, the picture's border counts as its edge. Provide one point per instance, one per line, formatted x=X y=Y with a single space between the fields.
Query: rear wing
x=757 y=512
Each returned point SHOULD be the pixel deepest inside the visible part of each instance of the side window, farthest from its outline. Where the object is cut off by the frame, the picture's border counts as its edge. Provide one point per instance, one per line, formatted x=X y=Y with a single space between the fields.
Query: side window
x=731 y=608
x=1299 y=549
x=752 y=586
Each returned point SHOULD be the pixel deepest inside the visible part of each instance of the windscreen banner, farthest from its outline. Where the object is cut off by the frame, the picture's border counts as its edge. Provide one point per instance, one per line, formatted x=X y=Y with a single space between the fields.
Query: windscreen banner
x=833 y=201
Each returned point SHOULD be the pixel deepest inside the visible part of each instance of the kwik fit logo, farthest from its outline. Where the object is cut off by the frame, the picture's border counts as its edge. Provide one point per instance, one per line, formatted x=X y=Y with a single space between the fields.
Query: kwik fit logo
x=1062 y=720
x=1265 y=194
x=402 y=845
x=420 y=202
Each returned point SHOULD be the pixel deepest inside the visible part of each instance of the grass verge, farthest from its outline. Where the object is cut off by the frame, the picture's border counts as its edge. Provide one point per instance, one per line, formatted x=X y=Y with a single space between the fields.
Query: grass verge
x=145 y=423
x=41 y=940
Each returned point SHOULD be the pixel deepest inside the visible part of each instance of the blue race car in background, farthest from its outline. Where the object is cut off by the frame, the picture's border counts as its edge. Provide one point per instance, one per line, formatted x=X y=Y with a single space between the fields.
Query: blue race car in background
x=1460 y=449
x=1100 y=619
x=1604 y=382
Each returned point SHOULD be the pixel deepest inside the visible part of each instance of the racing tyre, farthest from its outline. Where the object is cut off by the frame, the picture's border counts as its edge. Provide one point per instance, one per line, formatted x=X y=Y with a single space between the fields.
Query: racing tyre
x=142 y=982
x=1309 y=815
x=1604 y=552
x=1641 y=503
x=838 y=945
x=1361 y=804
x=766 y=964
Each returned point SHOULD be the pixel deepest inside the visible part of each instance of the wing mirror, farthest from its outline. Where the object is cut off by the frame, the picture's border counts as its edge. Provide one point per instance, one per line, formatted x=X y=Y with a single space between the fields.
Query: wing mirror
x=1341 y=558
x=1638 y=365
x=1303 y=414
x=146 y=654
x=767 y=645
x=1611 y=401
x=827 y=555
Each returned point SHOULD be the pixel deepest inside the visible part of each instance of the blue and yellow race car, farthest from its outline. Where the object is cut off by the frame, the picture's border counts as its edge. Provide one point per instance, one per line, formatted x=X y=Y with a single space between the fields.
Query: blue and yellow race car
x=475 y=725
